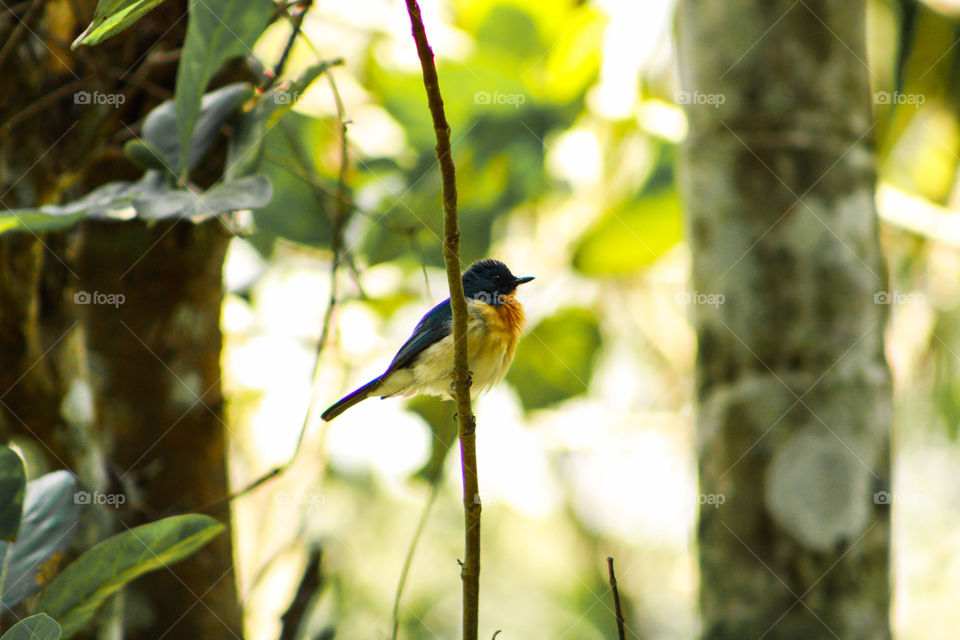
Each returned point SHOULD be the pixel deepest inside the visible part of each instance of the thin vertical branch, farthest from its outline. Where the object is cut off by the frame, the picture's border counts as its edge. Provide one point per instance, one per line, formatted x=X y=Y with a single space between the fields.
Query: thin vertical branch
x=408 y=561
x=470 y=568
x=621 y=630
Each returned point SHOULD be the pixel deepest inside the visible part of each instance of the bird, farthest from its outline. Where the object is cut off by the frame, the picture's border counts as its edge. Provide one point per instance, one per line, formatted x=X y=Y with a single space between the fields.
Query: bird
x=424 y=364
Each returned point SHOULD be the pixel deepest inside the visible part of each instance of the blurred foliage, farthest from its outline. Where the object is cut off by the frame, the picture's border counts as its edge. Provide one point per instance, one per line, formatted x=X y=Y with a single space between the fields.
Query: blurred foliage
x=554 y=361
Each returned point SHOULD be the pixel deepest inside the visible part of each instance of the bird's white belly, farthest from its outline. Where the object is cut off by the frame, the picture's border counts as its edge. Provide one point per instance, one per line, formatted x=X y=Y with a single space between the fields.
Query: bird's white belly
x=489 y=354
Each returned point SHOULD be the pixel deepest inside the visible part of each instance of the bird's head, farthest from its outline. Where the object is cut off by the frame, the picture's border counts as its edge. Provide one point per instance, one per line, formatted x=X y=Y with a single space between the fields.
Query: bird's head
x=491 y=281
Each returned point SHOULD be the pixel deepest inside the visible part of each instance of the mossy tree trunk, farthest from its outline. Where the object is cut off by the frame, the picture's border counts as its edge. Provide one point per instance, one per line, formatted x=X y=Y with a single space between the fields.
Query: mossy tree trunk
x=793 y=391
x=126 y=396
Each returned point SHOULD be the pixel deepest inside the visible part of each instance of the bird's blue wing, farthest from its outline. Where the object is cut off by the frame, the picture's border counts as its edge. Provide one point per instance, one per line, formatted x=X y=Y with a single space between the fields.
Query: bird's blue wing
x=433 y=327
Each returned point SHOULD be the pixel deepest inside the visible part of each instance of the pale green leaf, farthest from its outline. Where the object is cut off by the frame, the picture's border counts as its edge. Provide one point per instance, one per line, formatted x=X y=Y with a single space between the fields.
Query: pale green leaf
x=74 y=596
x=113 y=16
x=38 y=627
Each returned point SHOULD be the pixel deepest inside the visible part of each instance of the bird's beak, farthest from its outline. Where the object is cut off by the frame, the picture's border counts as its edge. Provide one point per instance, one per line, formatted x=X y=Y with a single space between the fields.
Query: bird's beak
x=520 y=281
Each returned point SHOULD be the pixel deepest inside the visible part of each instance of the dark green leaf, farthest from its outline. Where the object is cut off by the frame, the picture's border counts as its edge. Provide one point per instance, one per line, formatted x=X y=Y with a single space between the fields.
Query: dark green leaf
x=13 y=482
x=160 y=128
x=554 y=361
x=244 y=150
x=50 y=516
x=74 y=595
x=38 y=627
x=247 y=193
x=111 y=17
x=218 y=31
x=298 y=208
x=145 y=155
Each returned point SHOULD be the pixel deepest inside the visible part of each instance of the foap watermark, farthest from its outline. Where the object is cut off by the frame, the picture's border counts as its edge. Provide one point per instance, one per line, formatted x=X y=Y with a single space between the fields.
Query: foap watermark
x=296 y=497
x=512 y=99
x=899 y=497
x=697 y=98
x=696 y=297
x=712 y=499
x=110 y=499
x=97 y=97
x=898 y=297
x=85 y=297
x=885 y=97
x=494 y=298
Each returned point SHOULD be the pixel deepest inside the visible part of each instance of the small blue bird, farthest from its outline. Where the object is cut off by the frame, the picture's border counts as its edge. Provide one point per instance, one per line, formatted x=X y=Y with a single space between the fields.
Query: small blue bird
x=424 y=364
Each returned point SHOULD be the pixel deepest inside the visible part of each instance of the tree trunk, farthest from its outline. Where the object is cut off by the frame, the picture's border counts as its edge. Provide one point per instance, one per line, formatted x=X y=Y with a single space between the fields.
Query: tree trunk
x=126 y=396
x=793 y=391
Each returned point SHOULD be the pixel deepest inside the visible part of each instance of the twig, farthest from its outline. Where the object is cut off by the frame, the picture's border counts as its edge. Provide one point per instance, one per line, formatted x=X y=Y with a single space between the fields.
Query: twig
x=341 y=215
x=311 y=582
x=470 y=569
x=621 y=631
x=435 y=488
x=297 y=21
x=18 y=31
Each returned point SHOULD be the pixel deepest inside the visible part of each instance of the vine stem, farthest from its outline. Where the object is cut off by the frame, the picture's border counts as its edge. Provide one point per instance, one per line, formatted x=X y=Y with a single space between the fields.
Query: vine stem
x=470 y=567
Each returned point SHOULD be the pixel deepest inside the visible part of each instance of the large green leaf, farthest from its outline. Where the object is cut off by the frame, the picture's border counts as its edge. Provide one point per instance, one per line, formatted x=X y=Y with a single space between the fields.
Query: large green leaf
x=50 y=516
x=246 y=143
x=246 y=193
x=298 y=209
x=38 y=627
x=162 y=123
x=554 y=361
x=74 y=595
x=13 y=482
x=632 y=236
x=111 y=17
x=218 y=30
x=150 y=198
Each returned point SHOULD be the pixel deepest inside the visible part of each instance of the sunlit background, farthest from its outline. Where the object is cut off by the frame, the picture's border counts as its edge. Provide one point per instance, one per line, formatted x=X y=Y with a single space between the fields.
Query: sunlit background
x=566 y=137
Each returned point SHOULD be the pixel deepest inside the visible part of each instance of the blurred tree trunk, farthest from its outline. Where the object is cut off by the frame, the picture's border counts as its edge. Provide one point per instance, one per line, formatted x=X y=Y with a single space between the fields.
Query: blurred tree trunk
x=793 y=390
x=127 y=396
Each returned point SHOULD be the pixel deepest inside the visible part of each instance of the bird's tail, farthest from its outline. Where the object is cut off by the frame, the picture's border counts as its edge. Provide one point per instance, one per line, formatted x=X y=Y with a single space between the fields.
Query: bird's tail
x=350 y=399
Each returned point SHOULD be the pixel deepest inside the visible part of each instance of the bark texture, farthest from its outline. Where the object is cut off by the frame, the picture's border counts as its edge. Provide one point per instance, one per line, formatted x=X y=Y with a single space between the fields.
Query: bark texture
x=125 y=396
x=793 y=390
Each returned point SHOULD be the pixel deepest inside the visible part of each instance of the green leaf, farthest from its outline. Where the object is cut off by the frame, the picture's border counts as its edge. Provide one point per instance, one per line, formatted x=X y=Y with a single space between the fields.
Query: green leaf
x=247 y=193
x=632 y=236
x=111 y=17
x=218 y=31
x=298 y=209
x=38 y=627
x=246 y=144
x=13 y=483
x=50 y=516
x=75 y=594
x=145 y=155
x=554 y=361
x=161 y=124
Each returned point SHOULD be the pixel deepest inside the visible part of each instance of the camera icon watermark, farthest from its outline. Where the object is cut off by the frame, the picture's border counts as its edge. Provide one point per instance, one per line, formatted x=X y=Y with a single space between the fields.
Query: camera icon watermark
x=114 y=500
x=898 y=297
x=885 y=498
x=85 y=297
x=696 y=297
x=697 y=98
x=97 y=97
x=885 y=97
x=286 y=97
x=512 y=99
